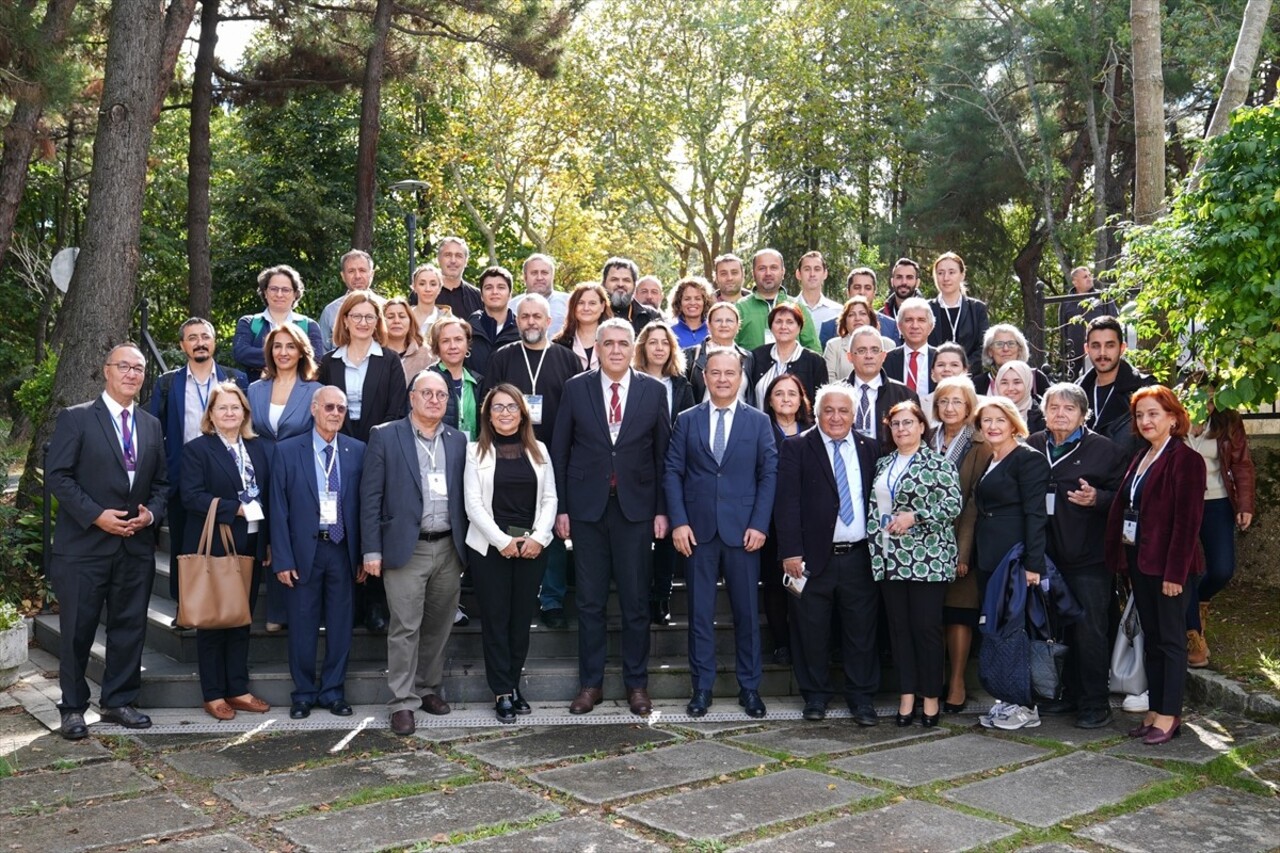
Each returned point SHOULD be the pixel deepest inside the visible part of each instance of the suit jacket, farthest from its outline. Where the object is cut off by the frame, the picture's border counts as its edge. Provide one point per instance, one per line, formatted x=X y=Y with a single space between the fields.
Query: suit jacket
x=681 y=397
x=888 y=328
x=168 y=405
x=585 y=458
x=891 y=393
x=296 y=418
x=85 y=472
x=807 y=504
x=1010 y=508
x=895 y=364
x=208 y=472
x=809 y=368
x=385 y=396
x=1170 y=510
x=729 y=497
x=295 y=502
x=929 y=487
x=478 y=488
x=246 y=347
x=1076 y=533
x=391 y=492
x=696 y=360
x=970 y=329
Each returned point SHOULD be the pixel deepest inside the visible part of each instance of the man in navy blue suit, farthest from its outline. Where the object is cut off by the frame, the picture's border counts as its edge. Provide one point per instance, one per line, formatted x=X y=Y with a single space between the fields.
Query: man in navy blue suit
x=315 y=547
x=608 y=451
x=862 y=282
x=178 y=402
x=720 y=480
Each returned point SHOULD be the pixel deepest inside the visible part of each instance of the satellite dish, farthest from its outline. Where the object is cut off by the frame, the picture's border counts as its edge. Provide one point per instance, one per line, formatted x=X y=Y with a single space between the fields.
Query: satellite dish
x=63 y=266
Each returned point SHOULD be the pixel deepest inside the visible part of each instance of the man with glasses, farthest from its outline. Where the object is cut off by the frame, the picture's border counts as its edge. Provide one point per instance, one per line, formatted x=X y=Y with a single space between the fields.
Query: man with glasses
x=874 y=393
x=106 y=468
x=315 y=543
x=414 y=529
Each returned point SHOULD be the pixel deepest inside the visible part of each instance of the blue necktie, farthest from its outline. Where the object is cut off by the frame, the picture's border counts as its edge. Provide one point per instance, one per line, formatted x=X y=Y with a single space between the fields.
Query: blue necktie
x=336 y=530
x=842 y=483
x=717 y=443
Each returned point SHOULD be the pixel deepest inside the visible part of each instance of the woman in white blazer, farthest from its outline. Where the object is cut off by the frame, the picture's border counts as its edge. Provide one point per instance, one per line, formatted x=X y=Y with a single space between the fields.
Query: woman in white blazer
x=511 y=503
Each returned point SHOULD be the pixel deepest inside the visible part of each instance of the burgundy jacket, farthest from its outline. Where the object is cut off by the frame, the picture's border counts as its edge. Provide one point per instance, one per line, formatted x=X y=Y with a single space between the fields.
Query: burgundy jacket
x=1169 y=516
x=1236 y=464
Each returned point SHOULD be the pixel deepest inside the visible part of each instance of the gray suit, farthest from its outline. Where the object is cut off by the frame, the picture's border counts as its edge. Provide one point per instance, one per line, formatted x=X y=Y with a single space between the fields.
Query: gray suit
x=422 y=577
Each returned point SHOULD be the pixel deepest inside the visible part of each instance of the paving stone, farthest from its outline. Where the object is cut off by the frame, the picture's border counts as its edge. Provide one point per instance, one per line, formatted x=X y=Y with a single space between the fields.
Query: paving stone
x=1203 y=739
x=265 y=795
x=935 y=760
x=25 y=744
x=1055 y=790
x=72 y=786
x=903 y=826
x=168 y=743
x=223 y=842
x=809 y=739
x=1268 y=773
x=1205 y=821
x=713 y=729
x=577 y=834
x=1062 y=729
x=275 y=753
x=445 y=735
x=107 y=824
x=1052 y=848
x=723 y=810
x=640 y=772
x=397 y=823
x=556 y=744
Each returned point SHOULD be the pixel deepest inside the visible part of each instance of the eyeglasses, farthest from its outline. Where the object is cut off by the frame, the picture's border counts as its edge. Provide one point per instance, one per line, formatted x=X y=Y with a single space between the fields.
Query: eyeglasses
x=126 y=368
x=867 y=351
x=330 y=408
x=428 y=394
x=903 y=424
x=279 y=290
x=1004 y=344
x=363 y=318
x=505 y=408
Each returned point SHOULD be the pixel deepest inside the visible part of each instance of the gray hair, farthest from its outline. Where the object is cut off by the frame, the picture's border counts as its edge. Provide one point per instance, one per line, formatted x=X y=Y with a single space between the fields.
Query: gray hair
x=1072 y=392
x=539 y=256
x=616 y=323
x=917 y=303
x=863 y=332
x=355 y=253
x=1024 y=352
x=538 y=298
x=713 y=351
x=832 y=389
x=315 y=396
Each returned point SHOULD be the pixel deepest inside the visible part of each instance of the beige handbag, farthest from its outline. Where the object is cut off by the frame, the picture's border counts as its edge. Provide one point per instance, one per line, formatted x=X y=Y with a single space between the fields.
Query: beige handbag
x=214 y=591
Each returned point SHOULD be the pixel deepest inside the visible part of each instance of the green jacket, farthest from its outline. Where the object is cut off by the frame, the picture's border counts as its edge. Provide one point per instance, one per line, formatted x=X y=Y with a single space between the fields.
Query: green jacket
x=755 y=320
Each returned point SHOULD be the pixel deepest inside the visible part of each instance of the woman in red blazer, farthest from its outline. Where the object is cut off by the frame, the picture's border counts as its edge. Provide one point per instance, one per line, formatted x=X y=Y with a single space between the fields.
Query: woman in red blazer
x=1153 y=534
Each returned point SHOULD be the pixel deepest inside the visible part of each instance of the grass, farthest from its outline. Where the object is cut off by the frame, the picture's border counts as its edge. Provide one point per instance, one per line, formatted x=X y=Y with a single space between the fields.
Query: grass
x=1244 y=635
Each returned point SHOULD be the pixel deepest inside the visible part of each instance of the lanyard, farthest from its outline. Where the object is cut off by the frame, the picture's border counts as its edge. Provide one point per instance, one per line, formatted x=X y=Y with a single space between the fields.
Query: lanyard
x=202 y=397
x=333 y=458
x=533 y=377
x=1097 y=410
x=893 y=482
x=1144 y=471
x=1054 y=463
x=127 y=445
x=428 y=447
x=955 y=325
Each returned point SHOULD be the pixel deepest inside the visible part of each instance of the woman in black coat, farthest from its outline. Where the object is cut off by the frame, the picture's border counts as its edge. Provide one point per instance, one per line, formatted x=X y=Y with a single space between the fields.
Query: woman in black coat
x=227 y=461
x=786 y=355
x=370 y=376
x=723 y=321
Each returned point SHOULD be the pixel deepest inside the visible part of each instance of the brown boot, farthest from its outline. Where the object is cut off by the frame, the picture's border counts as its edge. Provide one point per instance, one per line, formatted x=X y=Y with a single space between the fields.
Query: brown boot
x=1204 y=622
x=1197 y=651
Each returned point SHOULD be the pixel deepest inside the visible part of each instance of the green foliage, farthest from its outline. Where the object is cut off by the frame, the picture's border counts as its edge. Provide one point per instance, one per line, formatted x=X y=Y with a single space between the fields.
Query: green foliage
x=34 y=394
x=1213 y=266
x=10 y=616
x=22 y=579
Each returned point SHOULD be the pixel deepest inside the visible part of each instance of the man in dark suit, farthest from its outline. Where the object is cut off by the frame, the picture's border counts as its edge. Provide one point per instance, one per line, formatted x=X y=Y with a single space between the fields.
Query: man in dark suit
x=720 y=480
x=106 y=468
x=912 y=362
x=874 y=393
x=178 y=402
x=824 y=488
x=608 y=450
x=315 y=545
x=413 y=526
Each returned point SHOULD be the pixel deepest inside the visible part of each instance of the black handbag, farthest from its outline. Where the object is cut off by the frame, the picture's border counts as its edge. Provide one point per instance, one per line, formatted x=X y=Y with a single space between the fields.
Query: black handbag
x=1048 y=653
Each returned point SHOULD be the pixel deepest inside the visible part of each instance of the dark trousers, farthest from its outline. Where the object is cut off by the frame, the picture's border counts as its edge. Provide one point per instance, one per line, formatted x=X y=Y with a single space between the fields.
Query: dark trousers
x=328 y=590
x=555 y=577
x=914 y=609
x=618 y=550
x=122 y=581
x=773 y=592
x=223 y=653
x=1218 y=538
x=846 y=587
x=1163 y=620
x=741 y=571
x=666 y=559
x=175 y=515
x=507 y=595
x=1089 y=659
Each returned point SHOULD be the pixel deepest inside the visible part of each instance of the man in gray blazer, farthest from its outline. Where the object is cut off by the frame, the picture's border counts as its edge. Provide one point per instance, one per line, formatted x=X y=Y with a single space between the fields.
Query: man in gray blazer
x=107 y=469
x=414 y=529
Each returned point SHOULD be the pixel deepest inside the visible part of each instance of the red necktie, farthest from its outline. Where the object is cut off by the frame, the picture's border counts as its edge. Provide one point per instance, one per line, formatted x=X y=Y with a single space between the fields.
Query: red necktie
x=615 y=419
x=911 y=371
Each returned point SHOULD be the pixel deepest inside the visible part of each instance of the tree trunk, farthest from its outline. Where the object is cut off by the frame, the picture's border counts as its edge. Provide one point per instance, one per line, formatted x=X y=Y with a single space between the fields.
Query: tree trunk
x=99 y=307
x=370 y=111
x=1026 y=265
x=1148 y=111
x=199 y=163
x=20 y=132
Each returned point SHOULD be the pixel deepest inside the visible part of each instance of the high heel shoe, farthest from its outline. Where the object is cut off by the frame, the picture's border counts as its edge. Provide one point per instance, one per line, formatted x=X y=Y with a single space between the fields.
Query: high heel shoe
x=954 y=709
x=930 y=721
x=1157 y=736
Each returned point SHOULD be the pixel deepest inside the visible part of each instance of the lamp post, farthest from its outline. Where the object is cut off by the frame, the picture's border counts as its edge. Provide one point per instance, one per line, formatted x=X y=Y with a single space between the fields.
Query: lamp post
x=410 y=219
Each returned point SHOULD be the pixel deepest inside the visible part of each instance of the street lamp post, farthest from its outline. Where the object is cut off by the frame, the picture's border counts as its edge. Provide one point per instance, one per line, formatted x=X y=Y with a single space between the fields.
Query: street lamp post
x=410 y=219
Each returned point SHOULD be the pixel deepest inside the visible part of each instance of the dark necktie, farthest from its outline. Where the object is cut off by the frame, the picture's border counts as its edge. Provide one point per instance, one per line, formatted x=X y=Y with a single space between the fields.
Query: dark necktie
x=336 y=530
x=126 y=438
x=717 y=443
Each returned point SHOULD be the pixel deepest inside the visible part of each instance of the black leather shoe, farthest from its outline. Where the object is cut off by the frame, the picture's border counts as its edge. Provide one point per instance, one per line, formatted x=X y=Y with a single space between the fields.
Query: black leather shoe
x=660 y=612
x=1056 y=707
x=504 y=709
x=904 y=720
x=814 y=711
x=376 y=619
x=864 y=715
x=954 y=709
x=340 y=708
x=782 y=656
x=1093 y=719
x=554 y=618
x=73 y=727
x=299 y=710
x=519 y=703
x=699 y=704
x=930 y=721
x=127 y=716
x=752 y=703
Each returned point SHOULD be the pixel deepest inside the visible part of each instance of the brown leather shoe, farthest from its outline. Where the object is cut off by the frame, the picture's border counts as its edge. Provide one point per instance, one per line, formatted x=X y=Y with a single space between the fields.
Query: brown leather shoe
x=402 y=723
x=219 y=710
x=433 y=704
x=249 y=702
x=586 y=701
x=638 y=699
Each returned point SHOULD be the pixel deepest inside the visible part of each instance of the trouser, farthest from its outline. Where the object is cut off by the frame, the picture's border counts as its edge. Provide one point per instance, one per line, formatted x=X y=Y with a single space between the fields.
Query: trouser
x=741 y=571
x=773 y=592
x=1218 y=538
x=555 y=578
x=422 y=598
x=507 y=595
x=844 y=586
x=915 y=633
x=1163 y=619
x=1089 y=656
x=328 y=590
x=223 y=653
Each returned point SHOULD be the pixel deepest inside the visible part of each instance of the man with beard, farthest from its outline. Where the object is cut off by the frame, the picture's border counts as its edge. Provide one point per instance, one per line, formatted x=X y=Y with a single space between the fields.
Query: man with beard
x=1110 y=383
x=619 y=278
x=540 y=372
x=904 y=281
x=728 y=278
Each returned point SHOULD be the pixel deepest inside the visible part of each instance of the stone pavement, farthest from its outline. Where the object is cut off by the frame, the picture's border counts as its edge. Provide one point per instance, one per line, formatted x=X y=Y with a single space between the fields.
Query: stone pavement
x=612 y=782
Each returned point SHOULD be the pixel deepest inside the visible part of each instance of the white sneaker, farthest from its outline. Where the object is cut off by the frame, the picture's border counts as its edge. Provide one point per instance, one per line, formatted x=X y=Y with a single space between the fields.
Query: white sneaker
x=1018 y=717
x=1136 y=703
x=998 y=711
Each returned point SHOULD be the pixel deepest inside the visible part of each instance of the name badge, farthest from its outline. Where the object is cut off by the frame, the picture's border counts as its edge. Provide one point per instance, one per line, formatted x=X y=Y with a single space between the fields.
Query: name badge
x=885 y=520
x=328 y=507
x=436 y=484
x=534 y=402
x=1050 y=498
x=1129 y=530
x=253 y=511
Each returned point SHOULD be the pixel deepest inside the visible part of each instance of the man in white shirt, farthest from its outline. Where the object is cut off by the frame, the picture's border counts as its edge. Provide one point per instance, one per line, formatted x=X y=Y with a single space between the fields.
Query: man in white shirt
x=812 y=275
x=539 y=274
x=912 y=363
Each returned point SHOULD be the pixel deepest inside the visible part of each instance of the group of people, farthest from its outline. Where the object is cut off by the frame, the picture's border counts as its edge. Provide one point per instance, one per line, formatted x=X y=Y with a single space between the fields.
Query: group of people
x=853 y=466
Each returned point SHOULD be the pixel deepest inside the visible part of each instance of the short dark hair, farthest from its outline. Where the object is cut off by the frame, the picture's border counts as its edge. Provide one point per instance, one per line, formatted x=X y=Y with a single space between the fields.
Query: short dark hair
x=848 y=280
x=626 y=263
x=1104 y=324
x=496 y=271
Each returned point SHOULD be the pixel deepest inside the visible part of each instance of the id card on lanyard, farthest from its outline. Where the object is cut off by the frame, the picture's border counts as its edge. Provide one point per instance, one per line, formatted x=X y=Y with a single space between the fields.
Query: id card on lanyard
x=1051 y=494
